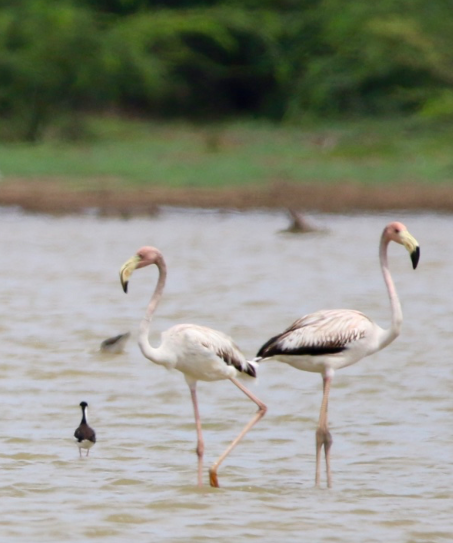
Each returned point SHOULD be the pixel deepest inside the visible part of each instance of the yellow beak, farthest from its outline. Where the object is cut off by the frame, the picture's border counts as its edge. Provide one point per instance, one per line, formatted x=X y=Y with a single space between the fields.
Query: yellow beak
x=127 y=269
x=412 y=247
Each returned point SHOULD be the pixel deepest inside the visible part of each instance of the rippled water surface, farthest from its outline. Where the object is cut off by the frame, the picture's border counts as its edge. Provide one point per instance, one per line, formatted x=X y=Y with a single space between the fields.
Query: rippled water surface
x=390 y=414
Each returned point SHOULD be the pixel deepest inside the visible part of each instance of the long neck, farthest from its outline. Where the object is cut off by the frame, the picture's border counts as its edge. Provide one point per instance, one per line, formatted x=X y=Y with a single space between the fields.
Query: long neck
x=143 y=337
x=397 y=313
x=84 y=415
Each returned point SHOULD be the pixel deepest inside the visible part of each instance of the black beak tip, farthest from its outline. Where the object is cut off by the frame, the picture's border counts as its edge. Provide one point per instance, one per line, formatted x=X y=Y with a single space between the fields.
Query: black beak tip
x=125 y=286
x=415 y=257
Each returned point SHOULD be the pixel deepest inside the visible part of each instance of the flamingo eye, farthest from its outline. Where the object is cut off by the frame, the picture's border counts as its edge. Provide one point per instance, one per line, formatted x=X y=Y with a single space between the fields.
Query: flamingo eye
x=397 y=230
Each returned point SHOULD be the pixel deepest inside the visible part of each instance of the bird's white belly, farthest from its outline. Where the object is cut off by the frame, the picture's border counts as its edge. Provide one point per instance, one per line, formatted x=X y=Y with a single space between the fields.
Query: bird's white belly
x=84 y=444
x=206 y=369
x=305 y=363
x=199 y=353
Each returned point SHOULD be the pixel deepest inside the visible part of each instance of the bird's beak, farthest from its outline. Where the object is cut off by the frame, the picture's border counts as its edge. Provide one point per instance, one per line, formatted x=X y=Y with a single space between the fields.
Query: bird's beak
x=412 y=246
x=126 y=270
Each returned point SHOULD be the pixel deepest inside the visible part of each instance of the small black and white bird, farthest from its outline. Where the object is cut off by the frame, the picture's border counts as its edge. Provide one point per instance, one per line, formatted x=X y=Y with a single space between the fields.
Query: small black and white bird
x=84 y=434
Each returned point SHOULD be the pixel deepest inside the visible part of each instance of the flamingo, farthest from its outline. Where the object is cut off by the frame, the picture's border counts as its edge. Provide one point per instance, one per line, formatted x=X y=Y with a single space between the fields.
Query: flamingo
x=327 y=340
x=299 y=224
x=115 y=344
x=84 y=434
x=200 y=353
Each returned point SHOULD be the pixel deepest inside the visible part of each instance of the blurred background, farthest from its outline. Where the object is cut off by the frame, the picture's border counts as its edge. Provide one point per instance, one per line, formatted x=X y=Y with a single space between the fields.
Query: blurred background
x=348 y=87
x=126 y=106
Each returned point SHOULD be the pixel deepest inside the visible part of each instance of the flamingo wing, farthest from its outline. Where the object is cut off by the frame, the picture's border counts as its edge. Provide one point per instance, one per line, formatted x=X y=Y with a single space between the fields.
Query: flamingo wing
x=320 y=333
x=218 y=344
x=226 y=349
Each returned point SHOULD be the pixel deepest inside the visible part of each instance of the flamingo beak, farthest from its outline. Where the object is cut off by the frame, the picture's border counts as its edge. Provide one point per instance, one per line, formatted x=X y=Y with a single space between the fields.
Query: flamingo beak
x=127 y=269
x=412 y=247
x=415 y=257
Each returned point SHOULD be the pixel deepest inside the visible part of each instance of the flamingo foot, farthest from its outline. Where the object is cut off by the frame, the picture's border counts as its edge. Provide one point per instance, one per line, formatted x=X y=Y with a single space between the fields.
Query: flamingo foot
x=213 y=480
x=323 y=439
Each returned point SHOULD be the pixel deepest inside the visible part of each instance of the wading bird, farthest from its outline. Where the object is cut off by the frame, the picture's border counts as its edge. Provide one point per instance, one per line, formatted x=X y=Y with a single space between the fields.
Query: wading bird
x=116 y=344
x=200 y=353
x=331 y=339
x=299 y=223
x=84 y=434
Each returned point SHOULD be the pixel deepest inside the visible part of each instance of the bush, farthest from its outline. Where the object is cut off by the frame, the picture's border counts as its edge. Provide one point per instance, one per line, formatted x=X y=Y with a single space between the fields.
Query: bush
x=193 y=63
x=207 y=59
x=49 y=63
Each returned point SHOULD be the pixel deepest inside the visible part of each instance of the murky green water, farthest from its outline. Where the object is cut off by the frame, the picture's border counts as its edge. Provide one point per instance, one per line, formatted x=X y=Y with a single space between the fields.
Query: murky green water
x=390 y=414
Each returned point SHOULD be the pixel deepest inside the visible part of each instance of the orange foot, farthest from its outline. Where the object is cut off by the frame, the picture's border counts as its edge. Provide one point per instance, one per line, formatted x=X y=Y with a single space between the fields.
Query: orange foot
x=213 y=478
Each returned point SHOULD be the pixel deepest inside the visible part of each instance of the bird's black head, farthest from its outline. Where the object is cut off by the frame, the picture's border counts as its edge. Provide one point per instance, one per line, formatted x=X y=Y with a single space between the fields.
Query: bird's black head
x=83 y=405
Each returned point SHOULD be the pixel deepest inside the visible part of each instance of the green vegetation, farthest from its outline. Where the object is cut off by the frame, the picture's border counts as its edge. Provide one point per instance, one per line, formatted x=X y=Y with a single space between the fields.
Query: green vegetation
x=212 y=60
x=228 y=92
x=128 y=154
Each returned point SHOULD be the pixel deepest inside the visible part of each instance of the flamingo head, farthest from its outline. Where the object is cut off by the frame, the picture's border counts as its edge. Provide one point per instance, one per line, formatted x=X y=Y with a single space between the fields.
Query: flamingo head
x=144 y=257
x=397 y=232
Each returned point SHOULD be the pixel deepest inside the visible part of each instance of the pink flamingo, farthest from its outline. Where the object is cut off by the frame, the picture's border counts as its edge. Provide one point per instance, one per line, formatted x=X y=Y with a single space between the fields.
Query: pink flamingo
x=331 y=339
x=200 y=353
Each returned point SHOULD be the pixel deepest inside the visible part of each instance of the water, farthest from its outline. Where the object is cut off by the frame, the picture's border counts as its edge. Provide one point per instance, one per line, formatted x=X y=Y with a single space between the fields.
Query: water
x=390 y=414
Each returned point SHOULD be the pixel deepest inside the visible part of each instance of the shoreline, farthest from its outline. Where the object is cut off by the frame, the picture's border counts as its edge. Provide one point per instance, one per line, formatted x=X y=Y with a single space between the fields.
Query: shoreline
x=55 y=197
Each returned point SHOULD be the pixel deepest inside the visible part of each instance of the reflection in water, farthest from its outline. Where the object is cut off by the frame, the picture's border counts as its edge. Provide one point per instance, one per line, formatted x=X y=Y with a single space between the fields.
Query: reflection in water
x=390 y=413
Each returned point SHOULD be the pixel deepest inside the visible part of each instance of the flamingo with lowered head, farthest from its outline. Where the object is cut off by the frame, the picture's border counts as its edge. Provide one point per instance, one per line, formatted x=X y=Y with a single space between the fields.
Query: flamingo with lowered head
x=200 y=353
x=331 y=339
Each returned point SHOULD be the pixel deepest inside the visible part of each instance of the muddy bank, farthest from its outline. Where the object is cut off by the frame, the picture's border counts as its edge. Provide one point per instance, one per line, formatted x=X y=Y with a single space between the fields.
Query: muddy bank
x=56 y=198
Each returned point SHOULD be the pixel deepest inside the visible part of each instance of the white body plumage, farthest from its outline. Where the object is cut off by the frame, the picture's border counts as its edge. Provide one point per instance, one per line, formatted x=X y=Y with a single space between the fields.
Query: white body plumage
x=200 y=353
x=84 y=444
x=331 y=339
x=327 y=339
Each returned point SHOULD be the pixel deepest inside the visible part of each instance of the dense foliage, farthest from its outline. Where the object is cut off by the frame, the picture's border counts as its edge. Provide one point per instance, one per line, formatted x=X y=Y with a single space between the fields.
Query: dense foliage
x=208 y=59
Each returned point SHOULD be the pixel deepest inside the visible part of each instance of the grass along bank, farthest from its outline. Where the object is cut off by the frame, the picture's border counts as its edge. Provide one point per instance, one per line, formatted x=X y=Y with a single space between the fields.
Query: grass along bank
x=256 y=162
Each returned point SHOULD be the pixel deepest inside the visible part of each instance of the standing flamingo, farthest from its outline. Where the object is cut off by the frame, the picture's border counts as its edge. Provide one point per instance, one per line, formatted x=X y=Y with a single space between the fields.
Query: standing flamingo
x=331 y=339
x=200 y=353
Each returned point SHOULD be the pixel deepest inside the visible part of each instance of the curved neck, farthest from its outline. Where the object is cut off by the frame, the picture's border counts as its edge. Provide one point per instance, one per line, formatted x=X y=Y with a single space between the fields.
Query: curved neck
x=397 y=313
x=145 y=325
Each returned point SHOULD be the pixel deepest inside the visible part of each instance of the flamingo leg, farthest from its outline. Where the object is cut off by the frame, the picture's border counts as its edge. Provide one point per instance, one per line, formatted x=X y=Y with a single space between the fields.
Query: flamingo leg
x=200 y=442
x=258 y=415
x=323 y=436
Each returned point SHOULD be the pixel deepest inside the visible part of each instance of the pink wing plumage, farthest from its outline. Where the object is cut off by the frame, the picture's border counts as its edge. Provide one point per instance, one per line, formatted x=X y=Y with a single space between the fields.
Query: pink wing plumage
x=320 y=333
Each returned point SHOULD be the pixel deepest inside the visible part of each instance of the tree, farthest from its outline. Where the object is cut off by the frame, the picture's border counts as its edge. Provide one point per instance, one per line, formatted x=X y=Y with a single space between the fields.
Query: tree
x=48 y=63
